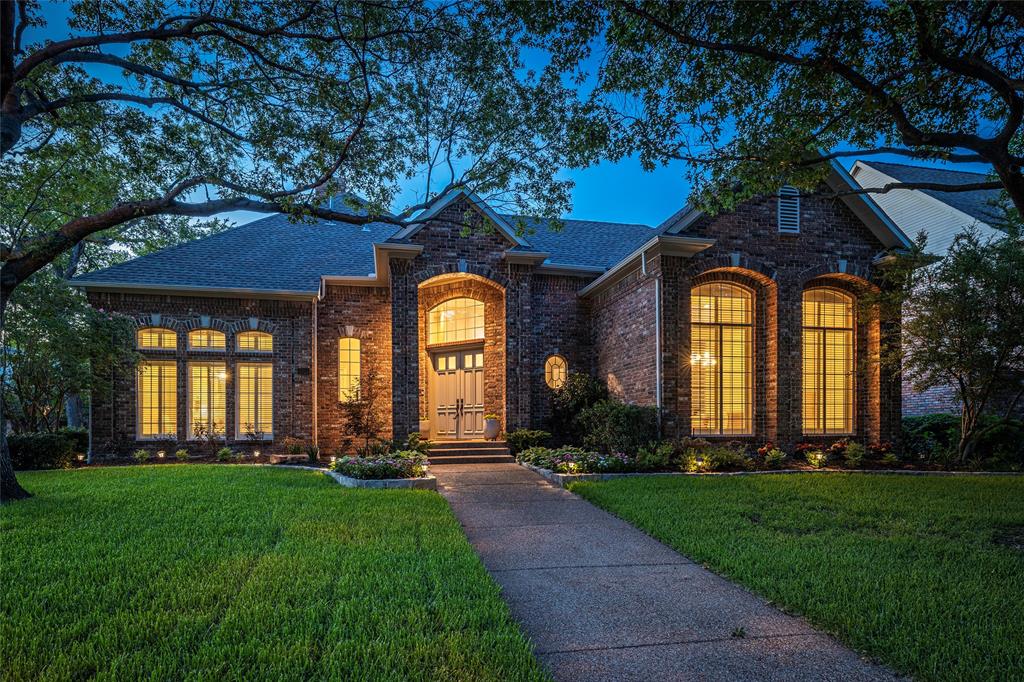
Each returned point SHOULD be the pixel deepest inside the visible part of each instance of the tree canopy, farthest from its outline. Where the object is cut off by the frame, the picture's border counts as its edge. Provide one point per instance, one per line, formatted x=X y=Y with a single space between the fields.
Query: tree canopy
x=753 y=94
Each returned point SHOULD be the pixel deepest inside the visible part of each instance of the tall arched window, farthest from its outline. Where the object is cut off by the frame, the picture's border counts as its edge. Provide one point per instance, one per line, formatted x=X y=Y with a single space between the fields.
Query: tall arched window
x=157 y=338
x=828 y=362
x=460 y=319
x=722 y=359
x=348 y=369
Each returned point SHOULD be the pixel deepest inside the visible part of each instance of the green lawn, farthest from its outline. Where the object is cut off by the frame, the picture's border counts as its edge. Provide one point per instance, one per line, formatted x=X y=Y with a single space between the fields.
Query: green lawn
x=220 y=572
x=908 y=569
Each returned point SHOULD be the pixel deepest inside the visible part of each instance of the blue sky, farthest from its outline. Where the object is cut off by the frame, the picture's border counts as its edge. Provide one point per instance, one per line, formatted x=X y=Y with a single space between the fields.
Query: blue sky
x=616 y=192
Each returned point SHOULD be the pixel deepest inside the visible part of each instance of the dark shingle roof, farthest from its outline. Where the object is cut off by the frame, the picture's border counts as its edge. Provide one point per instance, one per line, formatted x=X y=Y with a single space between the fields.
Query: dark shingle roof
x=584 y=242
x=274 y=254
x=267 y=254
x=977 y=203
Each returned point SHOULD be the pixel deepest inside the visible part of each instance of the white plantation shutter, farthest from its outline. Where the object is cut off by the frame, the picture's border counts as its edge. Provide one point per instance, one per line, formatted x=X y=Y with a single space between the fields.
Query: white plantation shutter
x=789 y=210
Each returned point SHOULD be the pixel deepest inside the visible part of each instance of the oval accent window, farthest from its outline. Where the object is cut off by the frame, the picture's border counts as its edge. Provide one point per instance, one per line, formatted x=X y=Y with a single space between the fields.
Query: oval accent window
x=556 y=371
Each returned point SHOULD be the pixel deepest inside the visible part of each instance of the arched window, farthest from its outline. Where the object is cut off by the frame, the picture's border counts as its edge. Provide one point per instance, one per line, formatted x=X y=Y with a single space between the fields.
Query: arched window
x=206 y=339
x=157 y=338
x=827 y=362
x=348 y=369
x=260 y=342
x=460 y=319
x=556 y=370
x=722 y=359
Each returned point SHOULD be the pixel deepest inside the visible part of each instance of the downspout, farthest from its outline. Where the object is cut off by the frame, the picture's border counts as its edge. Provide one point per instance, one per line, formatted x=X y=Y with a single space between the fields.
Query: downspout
x=314 y=370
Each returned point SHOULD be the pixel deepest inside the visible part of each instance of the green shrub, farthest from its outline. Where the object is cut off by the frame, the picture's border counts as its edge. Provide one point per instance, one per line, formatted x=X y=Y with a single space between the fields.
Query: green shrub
x=293 y=446
x=715 y=457
x=79 y=439
x=312 y=454
x=579 y=392
x=934 y=437
x=181 y=454
x=774 y=458
x=816 y=458
x=141 y=455
x=655 y=457
x=523 y=439
x=854 y=455
x=614 y=427
x=41 y=450
x=225 y=454
x=537 y=456
x=416 y=443
x=375 y=449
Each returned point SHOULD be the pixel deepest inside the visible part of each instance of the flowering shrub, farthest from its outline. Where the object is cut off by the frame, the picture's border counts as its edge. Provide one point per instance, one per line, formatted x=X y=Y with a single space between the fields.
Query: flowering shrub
x=765 y=449
x=570 y=460
x=401 y=464
x=816 y=458
x=880 y=449
x=716 y=458
x=838 y=449
x=801 y=449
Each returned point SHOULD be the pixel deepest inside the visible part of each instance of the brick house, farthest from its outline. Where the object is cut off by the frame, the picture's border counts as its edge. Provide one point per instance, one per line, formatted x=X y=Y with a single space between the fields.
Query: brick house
x=741 y=326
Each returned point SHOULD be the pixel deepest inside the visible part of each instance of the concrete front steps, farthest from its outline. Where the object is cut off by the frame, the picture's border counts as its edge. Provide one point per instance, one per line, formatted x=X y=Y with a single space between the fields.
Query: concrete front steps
x=469 y=452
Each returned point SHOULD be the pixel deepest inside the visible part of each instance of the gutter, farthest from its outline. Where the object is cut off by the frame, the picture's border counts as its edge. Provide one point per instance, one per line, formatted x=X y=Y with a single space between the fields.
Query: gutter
x=289 y=294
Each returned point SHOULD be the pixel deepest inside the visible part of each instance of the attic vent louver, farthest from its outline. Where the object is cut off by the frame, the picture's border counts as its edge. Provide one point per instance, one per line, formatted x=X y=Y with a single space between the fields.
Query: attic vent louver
x=789 y=210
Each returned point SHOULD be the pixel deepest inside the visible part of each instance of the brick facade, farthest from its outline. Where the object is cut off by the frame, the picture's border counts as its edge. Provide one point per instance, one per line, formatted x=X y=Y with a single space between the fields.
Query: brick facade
x=633 y=333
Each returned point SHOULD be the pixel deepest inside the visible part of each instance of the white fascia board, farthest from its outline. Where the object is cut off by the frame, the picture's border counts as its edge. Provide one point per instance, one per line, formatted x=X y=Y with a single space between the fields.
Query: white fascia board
x=526 y=257
x=865 y=208
x=190 y=290
x=671 y=245
x=681 y=219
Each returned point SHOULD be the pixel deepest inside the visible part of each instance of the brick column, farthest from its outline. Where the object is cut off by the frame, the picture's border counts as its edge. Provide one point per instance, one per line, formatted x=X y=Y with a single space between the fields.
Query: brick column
x=405 y=390
x=789 y=370
x=675 y=346
x=518 y=347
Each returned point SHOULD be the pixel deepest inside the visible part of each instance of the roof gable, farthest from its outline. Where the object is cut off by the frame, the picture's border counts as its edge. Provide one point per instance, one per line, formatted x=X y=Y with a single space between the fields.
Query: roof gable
x=500 y=223
x=838 y=180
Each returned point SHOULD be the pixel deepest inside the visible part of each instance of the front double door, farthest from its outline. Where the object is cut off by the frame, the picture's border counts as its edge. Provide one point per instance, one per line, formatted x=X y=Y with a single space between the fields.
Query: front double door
x=458 y=394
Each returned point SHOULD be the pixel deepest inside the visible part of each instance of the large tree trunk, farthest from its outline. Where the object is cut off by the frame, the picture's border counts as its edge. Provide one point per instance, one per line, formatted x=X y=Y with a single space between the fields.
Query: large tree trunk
x=10 y=489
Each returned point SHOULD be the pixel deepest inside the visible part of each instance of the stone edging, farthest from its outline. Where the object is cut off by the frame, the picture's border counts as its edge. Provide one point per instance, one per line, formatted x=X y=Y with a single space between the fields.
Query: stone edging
x=563 y=480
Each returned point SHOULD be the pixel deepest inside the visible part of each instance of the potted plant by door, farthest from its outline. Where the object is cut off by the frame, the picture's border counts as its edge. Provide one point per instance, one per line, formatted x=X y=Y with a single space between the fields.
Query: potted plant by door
x=492 y=427
x=424 y=427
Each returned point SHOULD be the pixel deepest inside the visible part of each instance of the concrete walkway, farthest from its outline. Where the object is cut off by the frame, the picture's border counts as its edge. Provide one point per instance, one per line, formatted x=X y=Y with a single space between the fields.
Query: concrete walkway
x=602 y=600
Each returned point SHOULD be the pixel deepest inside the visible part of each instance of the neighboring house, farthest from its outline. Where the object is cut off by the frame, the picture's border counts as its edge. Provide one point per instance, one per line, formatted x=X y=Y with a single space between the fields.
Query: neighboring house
x=941 y=216
x=741 y=326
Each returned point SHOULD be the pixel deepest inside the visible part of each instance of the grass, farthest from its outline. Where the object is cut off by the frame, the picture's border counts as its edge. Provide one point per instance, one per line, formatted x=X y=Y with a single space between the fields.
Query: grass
x=214 y=572
x=924 y=573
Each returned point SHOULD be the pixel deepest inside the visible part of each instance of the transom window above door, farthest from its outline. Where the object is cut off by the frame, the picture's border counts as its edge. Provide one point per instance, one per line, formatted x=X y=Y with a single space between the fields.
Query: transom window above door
x=460 y=319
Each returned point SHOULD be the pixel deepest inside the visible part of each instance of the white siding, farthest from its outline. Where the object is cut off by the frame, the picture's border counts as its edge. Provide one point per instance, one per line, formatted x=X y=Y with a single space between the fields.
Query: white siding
x=915 y=212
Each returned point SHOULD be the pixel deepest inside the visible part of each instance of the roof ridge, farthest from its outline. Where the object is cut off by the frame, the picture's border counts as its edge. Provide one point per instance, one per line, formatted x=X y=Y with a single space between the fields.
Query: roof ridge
x=926 y=168
x=578 y=220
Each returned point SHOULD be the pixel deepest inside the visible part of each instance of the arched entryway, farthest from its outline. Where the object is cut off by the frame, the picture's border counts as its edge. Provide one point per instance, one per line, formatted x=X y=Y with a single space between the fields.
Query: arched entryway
x=462 y=354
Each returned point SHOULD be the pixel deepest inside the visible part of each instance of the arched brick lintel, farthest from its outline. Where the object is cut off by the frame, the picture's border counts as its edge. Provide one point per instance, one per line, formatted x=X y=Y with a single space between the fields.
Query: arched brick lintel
x=446 y=272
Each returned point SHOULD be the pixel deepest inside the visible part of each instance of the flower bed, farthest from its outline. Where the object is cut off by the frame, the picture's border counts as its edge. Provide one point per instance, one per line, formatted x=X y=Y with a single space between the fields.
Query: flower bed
x=401 y=464
x=570 y=460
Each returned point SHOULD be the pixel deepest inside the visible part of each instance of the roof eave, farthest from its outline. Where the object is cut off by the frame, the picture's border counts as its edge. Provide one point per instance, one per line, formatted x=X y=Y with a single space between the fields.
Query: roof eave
x=190 y=290
x=663 y=244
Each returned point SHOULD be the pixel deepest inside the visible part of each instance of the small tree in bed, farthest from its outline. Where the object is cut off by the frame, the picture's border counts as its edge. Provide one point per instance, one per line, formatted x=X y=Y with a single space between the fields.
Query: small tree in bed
x=361 y=408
